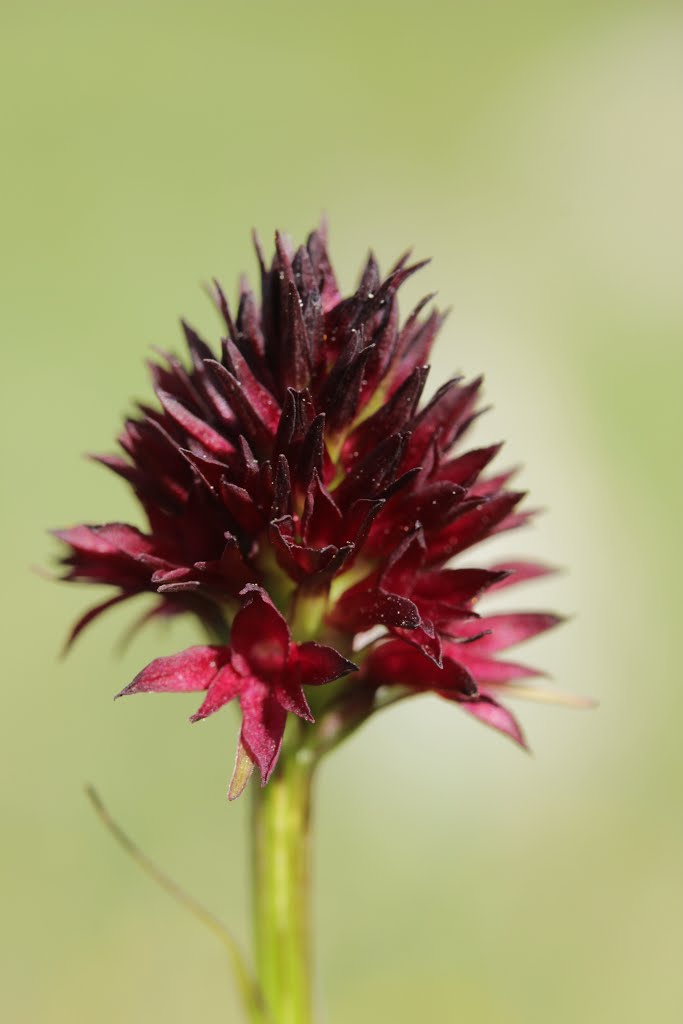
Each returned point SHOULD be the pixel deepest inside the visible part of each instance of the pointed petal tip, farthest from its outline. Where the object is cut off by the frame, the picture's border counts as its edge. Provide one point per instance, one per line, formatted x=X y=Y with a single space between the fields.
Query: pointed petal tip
x=554 y=620
x=60 y=533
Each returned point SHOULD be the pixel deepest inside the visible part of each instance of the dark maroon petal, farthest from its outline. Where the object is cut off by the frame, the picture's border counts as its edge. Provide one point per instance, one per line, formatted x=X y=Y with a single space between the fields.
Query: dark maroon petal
x=487 y=710
x=225 y=686
x=248 y=334
x=312 y=455
x=291 y=697
x=210 y=470
x=123 y=469
x=304 y=563
x=287 y=424
x=126 y=539
x=328 y=568
x=114 y=554
x=397 y=662
x=358 y=520
x=322 y=519
x=456 y=587
x=432 y=506
x=195 y=427
x=449 y=620
x=223 y=307
x=227 y=574
x=508 y=629
x=258 y=396
x=163 y=477
x=304 y=275
x=331 y=392
x=489 y=671
x=282 y=489
x=383 y=338
x=466 y=468
x=471 y=527
x=233 y=568
x=241 y=506
x=520 y=572
x=263 y=726
x=89 y=616
x=452 y=403
x=317 y=664
x=295 y=350
x=370 y=278
x=342 y=402
x=414 y=343
x=248 y=467
x=317 y=250
x=176 y=381
x=373 y=474
x=490 y=486
x=164 y=575
x=424 y=638
x=403 y=564
x=102 y=540
x=401 y=483
x=514 y=520
x=192 y=669
x=260 y=635
x=360 y=607
x=247 y=406
x=199 y=350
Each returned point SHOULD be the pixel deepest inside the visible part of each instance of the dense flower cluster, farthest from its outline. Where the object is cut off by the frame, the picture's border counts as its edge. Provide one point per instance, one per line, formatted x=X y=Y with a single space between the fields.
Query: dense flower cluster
x=307 y=505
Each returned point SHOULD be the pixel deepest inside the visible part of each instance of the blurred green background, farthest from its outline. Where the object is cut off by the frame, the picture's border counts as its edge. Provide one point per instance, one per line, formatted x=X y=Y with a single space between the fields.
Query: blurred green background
x=534 y=150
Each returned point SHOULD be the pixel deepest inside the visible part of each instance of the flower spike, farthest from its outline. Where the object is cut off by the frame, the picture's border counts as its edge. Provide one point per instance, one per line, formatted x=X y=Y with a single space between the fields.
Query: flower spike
x=305 y=500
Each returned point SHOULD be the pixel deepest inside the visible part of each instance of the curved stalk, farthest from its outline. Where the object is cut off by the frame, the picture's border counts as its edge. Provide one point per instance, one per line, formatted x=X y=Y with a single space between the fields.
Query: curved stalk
x=252 y=998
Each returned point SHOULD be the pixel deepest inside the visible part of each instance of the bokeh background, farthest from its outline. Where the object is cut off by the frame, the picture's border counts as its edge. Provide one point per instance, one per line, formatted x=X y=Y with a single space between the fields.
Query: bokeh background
x=534 y=150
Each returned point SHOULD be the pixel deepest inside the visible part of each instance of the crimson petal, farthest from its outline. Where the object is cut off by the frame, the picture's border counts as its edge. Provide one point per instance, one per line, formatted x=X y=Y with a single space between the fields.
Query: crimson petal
x=260 y=635
x=187 y=671
x=489 y=711
x=263 y=726
x=224 y=687
x=90 y=616
x=292 y=698
x=397 y=662
x=520 y=572
x=490 y=671
x=319 y=664
x=508 y=629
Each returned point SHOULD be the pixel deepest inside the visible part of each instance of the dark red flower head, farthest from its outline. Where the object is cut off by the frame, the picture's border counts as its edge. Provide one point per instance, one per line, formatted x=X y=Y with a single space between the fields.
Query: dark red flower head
x=297 y=489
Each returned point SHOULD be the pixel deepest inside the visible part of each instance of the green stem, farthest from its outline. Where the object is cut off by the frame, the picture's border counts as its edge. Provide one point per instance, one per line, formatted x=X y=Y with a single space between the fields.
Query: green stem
x=281 y=889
